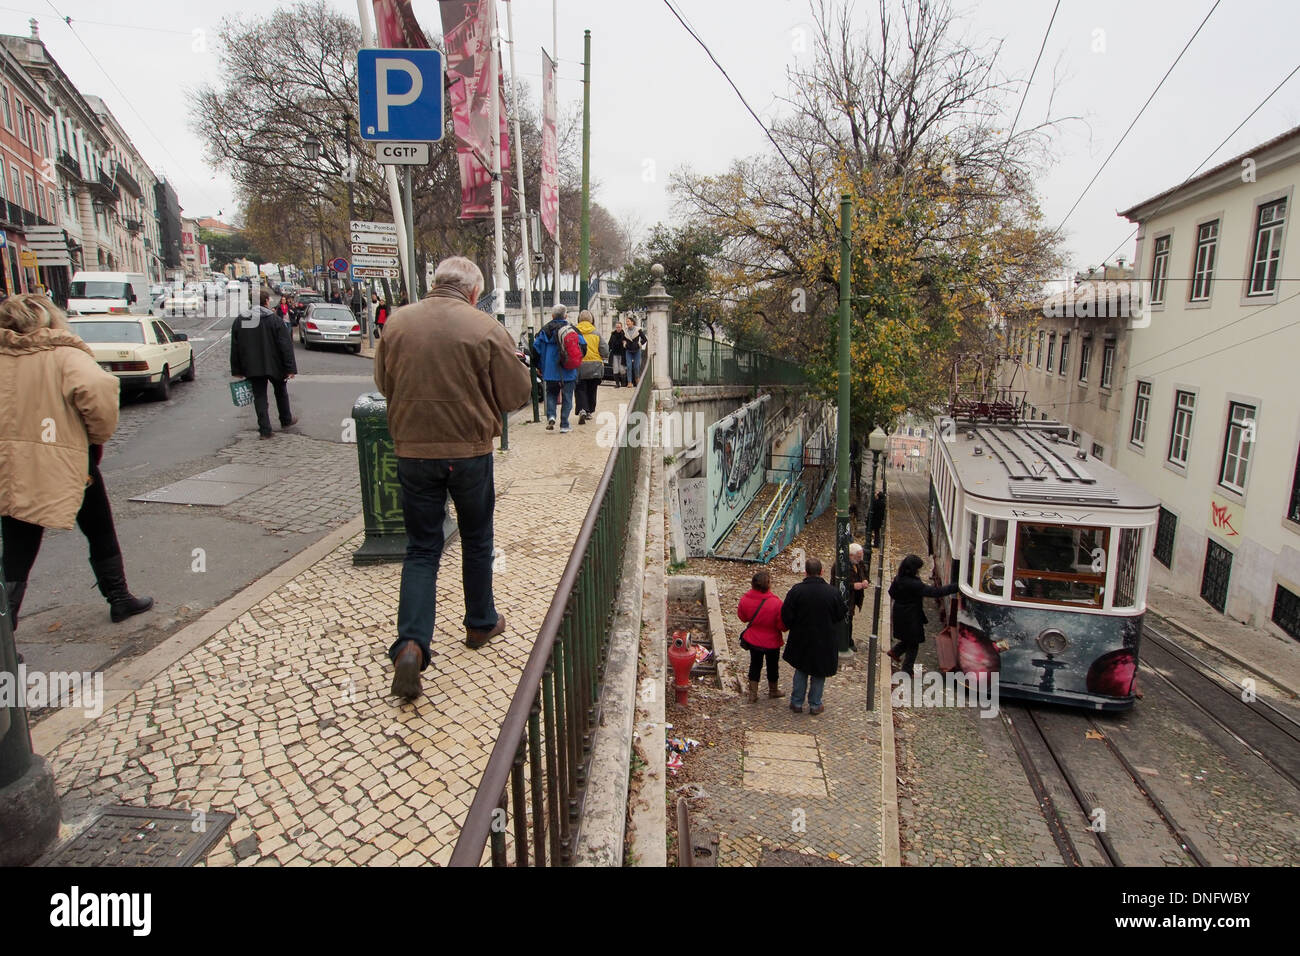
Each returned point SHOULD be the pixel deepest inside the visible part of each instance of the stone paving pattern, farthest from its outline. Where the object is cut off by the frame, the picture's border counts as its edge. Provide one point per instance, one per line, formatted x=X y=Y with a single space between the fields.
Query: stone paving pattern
x=284 y=716
x=320 y=490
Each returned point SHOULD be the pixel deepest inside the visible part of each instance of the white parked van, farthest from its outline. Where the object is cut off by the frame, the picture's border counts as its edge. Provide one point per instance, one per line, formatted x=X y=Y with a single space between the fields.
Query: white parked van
x=102 y=293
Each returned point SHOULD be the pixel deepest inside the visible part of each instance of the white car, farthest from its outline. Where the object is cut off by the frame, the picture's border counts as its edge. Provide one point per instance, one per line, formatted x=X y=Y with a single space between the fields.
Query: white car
x=182 y=302
x=327 y=323
x=144 y=353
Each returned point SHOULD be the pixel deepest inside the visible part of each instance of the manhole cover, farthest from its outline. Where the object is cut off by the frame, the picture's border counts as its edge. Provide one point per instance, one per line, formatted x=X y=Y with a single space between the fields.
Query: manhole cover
x=139 y=836
x=770 y=857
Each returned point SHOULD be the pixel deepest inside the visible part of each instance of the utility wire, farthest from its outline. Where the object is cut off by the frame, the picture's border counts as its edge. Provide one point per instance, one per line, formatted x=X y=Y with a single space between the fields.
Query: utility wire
x=1025 y=95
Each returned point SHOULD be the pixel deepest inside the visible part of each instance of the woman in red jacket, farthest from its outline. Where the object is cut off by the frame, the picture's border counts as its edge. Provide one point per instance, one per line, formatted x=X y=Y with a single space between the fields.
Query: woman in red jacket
x=761 y=610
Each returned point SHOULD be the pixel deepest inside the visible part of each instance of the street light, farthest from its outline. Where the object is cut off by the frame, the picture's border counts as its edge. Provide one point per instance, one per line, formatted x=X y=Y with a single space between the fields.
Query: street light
x=876 y=442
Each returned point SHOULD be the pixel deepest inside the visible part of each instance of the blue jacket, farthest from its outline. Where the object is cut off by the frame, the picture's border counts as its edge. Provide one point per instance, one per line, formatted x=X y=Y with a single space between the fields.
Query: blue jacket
x=548 y=348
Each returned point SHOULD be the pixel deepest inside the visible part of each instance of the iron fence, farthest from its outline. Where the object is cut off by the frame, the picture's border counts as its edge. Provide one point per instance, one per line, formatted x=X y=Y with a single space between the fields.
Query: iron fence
x=536 y=777
x=695 y=360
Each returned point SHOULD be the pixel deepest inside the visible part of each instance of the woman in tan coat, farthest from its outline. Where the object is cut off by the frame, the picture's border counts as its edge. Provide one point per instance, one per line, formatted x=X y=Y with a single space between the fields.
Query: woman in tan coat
x=57 y=408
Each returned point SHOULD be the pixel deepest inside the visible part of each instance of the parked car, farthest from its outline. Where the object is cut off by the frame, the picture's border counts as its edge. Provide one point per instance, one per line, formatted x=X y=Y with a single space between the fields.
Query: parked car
x=144 y=353
x=181 y=302
x=327 y=323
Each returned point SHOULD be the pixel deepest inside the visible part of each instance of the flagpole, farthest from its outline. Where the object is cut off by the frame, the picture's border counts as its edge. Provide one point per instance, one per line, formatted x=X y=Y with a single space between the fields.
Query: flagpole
x=555 y=52
x=390 y=172
x=519 y=168
x=494 y=94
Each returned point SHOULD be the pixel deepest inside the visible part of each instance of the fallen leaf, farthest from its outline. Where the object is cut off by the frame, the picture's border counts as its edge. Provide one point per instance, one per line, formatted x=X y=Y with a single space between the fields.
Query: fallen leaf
x=54 y=627
x=1093 y=735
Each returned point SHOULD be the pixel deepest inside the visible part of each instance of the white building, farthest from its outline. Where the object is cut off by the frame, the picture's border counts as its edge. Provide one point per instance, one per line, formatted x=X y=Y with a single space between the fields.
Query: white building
x=1211 y=408
x=135 y=218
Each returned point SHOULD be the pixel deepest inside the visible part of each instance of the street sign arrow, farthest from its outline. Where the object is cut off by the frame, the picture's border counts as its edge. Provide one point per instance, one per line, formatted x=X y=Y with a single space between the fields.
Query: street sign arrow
x=373 y=249
x=389 y=262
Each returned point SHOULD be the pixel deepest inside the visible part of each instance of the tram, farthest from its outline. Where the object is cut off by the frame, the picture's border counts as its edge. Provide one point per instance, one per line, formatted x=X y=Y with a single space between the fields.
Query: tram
x=1051 y=549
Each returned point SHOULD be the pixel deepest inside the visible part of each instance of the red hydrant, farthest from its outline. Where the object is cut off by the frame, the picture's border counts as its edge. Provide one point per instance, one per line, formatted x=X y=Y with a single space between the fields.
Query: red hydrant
x=682 y=657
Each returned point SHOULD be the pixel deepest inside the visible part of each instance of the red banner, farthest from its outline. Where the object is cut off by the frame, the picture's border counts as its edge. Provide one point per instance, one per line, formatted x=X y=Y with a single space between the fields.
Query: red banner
x=396 y=26
x=467 y=30
x=550 y=200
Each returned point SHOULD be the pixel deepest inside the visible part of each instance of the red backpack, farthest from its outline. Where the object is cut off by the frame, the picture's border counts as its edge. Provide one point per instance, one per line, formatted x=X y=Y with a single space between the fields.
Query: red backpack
x=572 y=346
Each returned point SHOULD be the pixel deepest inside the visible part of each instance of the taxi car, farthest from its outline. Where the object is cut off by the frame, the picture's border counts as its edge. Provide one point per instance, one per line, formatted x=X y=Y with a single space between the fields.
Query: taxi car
x=143 y=352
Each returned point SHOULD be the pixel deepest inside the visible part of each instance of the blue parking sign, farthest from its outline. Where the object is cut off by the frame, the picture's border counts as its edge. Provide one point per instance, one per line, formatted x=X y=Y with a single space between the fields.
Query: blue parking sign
x=400 y=94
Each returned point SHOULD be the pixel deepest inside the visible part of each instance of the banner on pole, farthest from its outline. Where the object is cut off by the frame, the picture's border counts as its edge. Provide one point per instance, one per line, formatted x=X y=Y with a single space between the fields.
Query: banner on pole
x=467 y=30
x=396 y=26
x=550 y=200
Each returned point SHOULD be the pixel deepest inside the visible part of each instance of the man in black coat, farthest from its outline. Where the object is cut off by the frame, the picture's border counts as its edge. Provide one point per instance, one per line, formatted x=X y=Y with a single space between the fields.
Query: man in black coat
x=261 y=350
x=810 y=612
x=906 y=614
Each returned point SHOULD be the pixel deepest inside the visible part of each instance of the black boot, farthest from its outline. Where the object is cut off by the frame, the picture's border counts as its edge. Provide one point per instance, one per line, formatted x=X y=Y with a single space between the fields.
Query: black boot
x=111 y=576
x=14 y=591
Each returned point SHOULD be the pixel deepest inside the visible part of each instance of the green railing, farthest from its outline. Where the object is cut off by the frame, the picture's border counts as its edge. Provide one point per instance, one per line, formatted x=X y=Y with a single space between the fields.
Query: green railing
x=536 y=777
x=695 y=360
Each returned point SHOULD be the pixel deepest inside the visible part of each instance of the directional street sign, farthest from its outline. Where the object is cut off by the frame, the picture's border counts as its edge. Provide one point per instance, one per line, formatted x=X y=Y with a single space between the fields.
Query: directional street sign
x=402 y=154
x=362 y=225
x=400 y=94
x=388 y=261
x=373 y=249
x=375 y=272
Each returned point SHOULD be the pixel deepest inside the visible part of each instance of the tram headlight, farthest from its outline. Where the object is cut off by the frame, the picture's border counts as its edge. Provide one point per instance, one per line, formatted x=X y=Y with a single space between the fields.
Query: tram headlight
x=1053 y=641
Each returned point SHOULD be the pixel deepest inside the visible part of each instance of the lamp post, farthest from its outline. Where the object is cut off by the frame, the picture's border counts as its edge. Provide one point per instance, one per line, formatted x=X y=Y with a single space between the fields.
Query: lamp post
x=876 y=442
x=843 y=532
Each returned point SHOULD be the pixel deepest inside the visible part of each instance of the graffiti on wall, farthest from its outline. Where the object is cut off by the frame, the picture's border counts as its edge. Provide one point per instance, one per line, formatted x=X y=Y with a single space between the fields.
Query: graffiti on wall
x=736 y=464
x=691 y=498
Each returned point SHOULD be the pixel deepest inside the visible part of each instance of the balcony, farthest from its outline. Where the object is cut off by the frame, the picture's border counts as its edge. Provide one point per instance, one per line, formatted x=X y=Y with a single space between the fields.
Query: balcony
x=103 y=188
x=134 y=225
x=70 y=165
x=18 y=218
x=127 y=181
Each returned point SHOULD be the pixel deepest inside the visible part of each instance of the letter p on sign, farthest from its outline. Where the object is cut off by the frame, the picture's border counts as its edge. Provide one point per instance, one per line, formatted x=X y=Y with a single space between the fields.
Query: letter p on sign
x=399 y=94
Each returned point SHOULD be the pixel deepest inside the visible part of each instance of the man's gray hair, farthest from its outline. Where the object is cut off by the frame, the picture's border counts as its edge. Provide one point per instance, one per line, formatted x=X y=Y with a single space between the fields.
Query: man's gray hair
x=559 y=311
x=460 y=273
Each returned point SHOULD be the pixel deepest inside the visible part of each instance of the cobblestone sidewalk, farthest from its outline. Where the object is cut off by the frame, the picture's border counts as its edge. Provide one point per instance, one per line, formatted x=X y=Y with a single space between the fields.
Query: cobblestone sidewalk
x=284 y=717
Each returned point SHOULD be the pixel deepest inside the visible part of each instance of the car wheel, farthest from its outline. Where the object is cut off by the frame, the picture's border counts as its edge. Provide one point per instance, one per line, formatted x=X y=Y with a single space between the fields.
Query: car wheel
x=356 y=350
x=191 y=371
x=163 y=390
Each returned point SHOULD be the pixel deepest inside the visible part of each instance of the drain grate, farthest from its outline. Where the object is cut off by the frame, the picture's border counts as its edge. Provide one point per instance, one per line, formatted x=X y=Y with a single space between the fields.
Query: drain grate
x=141 y=836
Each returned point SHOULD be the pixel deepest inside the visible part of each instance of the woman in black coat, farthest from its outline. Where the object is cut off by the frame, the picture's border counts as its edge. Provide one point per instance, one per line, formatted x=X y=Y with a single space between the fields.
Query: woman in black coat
x=906 y=613
x=618 y=355
x=810 y=612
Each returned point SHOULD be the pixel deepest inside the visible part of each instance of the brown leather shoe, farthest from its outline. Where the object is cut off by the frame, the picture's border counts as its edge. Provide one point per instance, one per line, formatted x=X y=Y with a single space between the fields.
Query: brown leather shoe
x=753 y=692
x=476 y=639
x=816 y=710
x=773 y=691
x=406 y=671
x=291 y=424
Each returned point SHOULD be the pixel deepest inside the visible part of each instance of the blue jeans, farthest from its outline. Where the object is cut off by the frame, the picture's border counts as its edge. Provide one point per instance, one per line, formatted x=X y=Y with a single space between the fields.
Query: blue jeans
x=553 y=391
x=633 y=366
x=803 y=680
x=426 y=483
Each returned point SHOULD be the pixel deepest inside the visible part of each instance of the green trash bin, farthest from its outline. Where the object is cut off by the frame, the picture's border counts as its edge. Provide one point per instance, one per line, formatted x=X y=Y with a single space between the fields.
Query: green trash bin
x=381 y=491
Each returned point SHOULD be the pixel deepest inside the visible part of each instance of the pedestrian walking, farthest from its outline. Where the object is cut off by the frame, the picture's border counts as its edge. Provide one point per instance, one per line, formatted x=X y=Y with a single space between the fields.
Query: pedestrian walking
x=810 y=613
x=381 y=316
x=634 y=342
x=878 y=517
x=617 y=355
x=592 y=369
x=760 y=609
x=57 y=409
x=906 y=615
x=261 y=350
x=554 y=351
x=449 y=373
x=282 y=309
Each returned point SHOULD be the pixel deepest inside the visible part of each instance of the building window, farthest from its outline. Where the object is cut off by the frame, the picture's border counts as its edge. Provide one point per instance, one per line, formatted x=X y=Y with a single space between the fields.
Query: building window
x=1065 y=353
x=1286 y=611
x=9 y=117
x=1107 y=363
x=1237 y=443
x=1207 y=243
x=1215 y=575
x=1051 y=349
x=1038 y=356
x=1166 y=528
x=1293 y=513
x=1268 y=248
x=1160 y=269
x=1085 y=358
x=1097 y=451
x=31 y=193
x=1141 y=408
x=1180 y=433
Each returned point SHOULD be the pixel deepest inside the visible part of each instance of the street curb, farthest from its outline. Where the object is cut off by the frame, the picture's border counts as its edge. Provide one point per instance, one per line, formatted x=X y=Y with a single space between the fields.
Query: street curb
x=890 y=846
x=1253 y=668
x=125 y=678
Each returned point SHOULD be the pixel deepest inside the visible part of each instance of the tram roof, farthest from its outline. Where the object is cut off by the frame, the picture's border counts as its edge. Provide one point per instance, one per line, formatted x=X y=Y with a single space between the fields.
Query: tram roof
x=1036 y=462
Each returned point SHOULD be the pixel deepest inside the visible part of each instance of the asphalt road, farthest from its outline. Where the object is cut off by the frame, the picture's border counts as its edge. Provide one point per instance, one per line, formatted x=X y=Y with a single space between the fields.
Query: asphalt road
x=65 y=623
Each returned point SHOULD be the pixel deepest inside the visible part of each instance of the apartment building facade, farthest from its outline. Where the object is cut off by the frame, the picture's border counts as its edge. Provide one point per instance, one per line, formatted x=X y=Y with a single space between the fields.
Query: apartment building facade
x=134 y=223
x=1211 y=413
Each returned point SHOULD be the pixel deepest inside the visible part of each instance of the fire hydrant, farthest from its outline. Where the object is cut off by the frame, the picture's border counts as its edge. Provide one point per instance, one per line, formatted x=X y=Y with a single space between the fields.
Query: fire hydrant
x=682 y=657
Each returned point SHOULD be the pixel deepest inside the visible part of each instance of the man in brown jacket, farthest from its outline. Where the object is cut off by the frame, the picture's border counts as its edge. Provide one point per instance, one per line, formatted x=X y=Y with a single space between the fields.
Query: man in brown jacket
x=449 y=373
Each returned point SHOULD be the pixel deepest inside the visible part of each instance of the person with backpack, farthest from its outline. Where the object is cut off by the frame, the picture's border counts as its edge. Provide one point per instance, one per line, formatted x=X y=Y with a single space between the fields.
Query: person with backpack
x=560 y=349
x=760 y=609
x=592 y=369
x=634 y=343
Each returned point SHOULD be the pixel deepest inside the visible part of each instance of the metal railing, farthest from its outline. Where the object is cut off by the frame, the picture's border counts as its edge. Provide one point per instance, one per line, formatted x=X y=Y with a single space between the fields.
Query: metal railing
x=536 y=775
x=695 y=360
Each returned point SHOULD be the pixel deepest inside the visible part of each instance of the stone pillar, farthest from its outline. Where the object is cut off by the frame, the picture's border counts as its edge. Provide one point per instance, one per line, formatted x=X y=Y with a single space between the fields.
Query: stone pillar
x=658 y=312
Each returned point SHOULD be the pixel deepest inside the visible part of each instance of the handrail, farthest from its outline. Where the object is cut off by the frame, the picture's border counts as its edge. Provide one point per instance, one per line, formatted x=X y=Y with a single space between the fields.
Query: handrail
x=572 y=671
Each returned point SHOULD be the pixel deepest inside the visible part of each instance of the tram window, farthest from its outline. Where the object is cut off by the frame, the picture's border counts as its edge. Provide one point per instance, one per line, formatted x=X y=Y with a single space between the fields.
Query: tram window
x=1060 y=564
x=972 y=544
x=992 y=556
x=1128 y=561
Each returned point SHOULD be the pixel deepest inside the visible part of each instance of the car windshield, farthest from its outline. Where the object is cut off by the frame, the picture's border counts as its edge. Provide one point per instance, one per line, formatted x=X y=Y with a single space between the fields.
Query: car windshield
x=81 y=289
x=332 y=313
x=130 y=332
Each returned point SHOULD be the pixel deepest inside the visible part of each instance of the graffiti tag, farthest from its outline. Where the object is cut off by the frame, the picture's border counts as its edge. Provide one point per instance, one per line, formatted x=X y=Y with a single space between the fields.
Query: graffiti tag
x=1221 y=519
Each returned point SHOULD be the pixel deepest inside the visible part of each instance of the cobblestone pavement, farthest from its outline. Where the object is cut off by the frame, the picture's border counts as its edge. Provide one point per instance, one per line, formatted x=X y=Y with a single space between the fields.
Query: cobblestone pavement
x=963 y=799
x=284 y=717
x=765 y=780
x=319 y=492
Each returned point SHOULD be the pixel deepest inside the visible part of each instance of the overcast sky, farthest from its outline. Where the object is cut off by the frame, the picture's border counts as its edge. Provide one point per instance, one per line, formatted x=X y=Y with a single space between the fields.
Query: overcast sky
x=658 y=102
